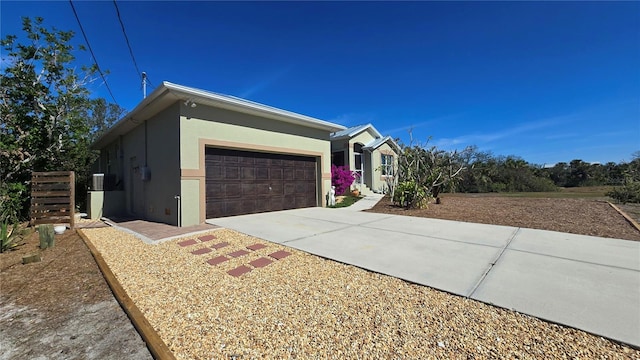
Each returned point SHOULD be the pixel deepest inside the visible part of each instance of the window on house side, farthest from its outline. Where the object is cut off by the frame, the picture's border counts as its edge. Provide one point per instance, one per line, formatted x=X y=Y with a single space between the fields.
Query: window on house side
x=387 y=165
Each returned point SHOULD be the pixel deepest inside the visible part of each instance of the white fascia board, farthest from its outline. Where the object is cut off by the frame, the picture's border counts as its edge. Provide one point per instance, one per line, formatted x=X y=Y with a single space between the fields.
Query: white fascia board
x=357 y=130
x=127 y=122
x=378 y=142
x=375 y=132
x=246 y=106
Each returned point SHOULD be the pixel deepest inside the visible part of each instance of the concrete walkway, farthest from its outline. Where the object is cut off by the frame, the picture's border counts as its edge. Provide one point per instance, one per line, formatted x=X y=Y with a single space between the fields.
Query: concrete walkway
x=585 y=282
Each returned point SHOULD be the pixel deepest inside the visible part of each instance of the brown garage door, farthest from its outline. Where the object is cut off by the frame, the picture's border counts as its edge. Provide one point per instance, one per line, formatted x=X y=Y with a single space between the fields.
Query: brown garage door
x=243 y=182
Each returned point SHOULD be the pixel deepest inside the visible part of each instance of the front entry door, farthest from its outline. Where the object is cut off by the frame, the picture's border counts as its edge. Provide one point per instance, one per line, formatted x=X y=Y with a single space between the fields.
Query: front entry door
x=359 y=168
x=358 y=165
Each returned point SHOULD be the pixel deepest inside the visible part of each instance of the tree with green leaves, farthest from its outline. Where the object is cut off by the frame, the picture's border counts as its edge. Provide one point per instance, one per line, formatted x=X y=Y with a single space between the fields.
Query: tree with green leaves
x=423 y=172
x=629 y=192
x=45 y=106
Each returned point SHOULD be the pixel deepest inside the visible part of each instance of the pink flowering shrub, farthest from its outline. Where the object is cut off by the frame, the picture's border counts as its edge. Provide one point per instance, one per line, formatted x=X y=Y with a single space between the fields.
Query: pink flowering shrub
x=341 y=178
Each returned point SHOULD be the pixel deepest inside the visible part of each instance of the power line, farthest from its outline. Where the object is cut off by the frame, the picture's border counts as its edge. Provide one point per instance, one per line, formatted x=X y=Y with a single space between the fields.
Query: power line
x=126 y=38
x=95 y=60
x=149 y=81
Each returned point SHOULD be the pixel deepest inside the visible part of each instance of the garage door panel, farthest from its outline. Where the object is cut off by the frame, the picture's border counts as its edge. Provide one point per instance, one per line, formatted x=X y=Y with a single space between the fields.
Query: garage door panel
x=233 y=190
x=214 y=171
x=242 y=182
x=262 y=190
x=245 y=161
x=231 y=159
x=275 y=174
x=215 y=208
x=214 y=158
x=310 y=175
x=262 y=162
x=275 y=204
x=277 y=189
x=262 y=173
x=231 y=172
x=262 y=205
x=288 y=173
x=215 y=188
x=233 y=207
x=289 y=189
x=248 y=206
x=301 y=201
x=248 y=189
x=247 y=173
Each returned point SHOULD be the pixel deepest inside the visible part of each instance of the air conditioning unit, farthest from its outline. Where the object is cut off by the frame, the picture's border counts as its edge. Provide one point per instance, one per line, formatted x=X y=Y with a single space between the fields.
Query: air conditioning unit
x=98 y=182
x=103 y=182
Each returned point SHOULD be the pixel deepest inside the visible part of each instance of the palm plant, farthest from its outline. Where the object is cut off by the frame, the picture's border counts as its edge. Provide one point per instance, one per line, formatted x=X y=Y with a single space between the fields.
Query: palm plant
x=9 y=236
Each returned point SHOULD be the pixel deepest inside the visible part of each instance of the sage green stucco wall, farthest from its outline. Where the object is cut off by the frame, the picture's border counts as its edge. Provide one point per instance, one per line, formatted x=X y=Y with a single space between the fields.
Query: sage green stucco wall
x=207 y=126
x=363 y=138
x=190 y=193
x=378 y=180
x=133 y=147
x=153 y=144
x=163 y=161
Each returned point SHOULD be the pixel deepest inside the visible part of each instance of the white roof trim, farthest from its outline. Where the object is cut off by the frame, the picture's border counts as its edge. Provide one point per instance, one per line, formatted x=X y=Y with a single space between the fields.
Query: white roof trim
x=378 y=142
x=170 y=93
x=353 y=131
x=250 y=105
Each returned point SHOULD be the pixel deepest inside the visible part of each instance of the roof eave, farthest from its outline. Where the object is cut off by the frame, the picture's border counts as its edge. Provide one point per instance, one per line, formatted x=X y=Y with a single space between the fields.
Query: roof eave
x=252 y=108
x=180 y=92
x=386 y=139
x=127 y=122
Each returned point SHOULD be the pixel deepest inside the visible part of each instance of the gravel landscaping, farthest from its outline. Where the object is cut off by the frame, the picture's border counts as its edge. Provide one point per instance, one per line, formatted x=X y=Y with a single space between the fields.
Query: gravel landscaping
x=303 y=306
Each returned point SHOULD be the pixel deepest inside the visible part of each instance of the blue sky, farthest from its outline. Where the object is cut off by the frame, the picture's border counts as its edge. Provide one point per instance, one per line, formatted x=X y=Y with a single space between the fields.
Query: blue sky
x=546 y=81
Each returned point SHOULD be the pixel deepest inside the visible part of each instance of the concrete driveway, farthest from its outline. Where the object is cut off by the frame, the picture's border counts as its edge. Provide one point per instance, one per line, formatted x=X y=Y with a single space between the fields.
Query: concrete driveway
x=585 y=282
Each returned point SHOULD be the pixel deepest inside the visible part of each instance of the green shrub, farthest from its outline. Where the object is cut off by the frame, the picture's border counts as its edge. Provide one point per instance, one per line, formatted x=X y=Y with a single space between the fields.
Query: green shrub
x=628 y=193
x=13 y=202
x=408 y=194
x=341 y=178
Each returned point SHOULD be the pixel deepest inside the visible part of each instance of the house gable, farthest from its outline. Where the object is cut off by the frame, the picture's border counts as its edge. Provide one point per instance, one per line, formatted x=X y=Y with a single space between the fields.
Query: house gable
x=363 y=146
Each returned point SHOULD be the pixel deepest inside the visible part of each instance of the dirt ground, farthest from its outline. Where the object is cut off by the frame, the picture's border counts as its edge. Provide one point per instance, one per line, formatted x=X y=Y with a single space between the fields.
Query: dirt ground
x=577 y=216
x=61 y=307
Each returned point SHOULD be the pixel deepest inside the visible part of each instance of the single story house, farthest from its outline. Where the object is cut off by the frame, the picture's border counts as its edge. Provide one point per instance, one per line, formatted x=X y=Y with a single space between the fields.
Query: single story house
x=371 y=156
x=184 y=155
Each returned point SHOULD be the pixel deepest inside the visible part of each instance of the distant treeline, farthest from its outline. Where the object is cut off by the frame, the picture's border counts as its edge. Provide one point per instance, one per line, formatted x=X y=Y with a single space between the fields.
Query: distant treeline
x=488 y=173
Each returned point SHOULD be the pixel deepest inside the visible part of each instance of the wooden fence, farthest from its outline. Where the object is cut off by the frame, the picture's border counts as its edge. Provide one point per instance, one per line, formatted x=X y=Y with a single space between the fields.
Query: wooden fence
x=53 y=198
